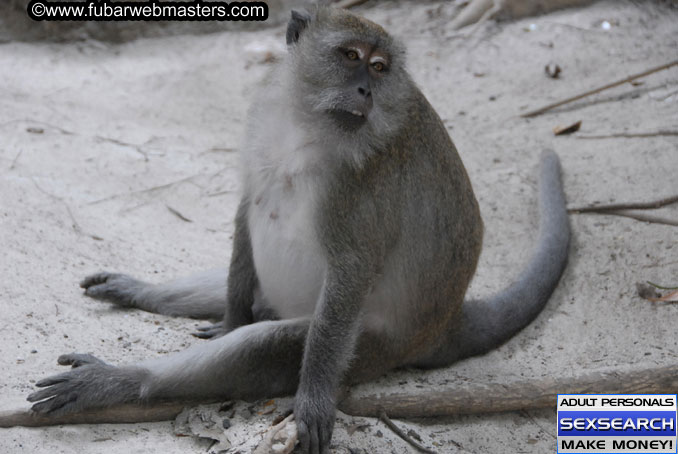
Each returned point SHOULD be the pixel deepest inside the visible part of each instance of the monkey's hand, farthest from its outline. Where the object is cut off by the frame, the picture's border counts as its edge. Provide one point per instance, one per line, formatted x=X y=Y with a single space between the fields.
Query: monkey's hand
x=120 y=289
x=314 y=414
x=90 y=383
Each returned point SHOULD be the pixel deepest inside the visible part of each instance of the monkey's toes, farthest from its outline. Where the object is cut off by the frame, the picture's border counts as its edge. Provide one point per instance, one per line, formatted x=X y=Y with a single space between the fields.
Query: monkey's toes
x=210 y=331
x=96 y=279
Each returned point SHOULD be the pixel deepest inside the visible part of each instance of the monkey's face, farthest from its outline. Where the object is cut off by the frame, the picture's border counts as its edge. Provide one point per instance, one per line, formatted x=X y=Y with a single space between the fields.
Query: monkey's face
x=349 y=71
x=359 y=67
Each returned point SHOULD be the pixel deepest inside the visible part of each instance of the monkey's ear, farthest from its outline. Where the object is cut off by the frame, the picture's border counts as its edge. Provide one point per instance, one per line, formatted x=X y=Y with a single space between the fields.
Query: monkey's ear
x=296 y=25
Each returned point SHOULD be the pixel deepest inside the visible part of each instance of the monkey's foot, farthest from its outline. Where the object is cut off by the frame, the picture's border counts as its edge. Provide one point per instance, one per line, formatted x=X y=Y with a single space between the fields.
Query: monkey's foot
x=211 y=331
x=120 y=289
x=90 y=383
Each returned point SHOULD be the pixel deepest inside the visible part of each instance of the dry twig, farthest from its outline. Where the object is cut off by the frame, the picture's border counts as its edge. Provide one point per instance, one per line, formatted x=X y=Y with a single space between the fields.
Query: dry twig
x=178 y=214
x=632 y=135
x=641 y=217
x=396 y=430
x=625 y=206
x=75 y=224
x=541 y=110
x=350 y=3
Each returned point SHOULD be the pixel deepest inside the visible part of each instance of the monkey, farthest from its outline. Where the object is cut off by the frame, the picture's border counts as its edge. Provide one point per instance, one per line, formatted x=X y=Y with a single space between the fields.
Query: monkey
x=356 y=237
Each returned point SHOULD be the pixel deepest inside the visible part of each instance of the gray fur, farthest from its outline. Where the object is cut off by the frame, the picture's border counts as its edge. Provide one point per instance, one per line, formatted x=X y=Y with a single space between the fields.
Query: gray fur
x=356 y=237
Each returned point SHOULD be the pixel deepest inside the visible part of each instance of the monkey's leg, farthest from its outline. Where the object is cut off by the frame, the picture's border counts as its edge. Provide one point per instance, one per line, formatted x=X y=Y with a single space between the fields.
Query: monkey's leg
x=216 y=294
x=254 y=361
x=202 y=295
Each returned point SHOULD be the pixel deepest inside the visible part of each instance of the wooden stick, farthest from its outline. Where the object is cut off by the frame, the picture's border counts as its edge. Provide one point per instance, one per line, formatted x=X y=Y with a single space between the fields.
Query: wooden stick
x=445 y=400
x=541 y=110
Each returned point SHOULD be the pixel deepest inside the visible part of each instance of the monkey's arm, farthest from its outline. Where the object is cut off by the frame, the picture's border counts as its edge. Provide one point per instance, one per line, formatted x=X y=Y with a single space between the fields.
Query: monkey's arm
x=203 y=295
x=329 y=347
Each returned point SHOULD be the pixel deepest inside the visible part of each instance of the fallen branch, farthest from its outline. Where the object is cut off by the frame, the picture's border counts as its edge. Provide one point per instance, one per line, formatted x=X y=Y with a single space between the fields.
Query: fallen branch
x=625 y=206
x=474 y=398
x=445 y=400
x=541 y=110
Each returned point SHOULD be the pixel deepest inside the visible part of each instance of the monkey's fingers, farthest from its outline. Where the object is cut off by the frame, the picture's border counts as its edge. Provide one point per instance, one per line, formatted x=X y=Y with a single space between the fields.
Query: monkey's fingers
x=56 y=404
x=78 y=359
x=96 y=279
x=50 y=390
x=53 y=380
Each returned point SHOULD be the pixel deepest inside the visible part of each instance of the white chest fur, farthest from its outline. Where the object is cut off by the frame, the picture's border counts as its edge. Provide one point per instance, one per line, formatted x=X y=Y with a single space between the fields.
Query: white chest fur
x=283 y=186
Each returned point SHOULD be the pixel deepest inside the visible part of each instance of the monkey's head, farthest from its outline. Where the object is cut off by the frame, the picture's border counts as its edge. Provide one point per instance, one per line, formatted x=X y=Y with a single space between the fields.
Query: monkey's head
x=348 y=72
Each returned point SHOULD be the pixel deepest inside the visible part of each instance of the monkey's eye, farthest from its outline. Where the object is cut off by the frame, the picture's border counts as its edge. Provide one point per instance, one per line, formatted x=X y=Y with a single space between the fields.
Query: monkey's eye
x=378 y=66
x=352 y=55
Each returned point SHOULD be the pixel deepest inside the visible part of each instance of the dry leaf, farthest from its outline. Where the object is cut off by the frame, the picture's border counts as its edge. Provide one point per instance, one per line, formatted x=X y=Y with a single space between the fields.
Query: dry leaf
x=562 y=130
x=649 y=292
x=671 y=297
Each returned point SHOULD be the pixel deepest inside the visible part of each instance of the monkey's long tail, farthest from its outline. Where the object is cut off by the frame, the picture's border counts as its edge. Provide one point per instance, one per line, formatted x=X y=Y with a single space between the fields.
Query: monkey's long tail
x=490 y=322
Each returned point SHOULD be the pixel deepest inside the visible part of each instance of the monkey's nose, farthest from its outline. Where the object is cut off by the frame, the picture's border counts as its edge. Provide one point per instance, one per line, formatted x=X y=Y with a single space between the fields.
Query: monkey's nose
x=365 y=92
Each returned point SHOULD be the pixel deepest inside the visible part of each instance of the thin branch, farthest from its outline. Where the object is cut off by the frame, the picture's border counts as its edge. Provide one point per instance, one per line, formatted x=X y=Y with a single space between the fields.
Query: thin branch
x=625 y=206
x=142 y=191
x=178 y=214
x=75 y=224
x=350 y=3
x=632 y=135
x=642 y=217
x=137 y=148
x=16 y=158
x=391 y=425
x=669 y=95
x=541 y=110
x=661 y=287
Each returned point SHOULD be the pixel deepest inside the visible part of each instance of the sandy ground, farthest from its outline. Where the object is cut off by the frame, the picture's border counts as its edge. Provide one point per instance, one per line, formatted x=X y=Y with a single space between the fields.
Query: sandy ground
x=99 y=141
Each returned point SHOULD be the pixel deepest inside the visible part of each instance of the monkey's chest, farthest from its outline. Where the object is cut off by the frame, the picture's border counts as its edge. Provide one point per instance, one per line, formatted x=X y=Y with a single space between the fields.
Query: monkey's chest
x=287 y=256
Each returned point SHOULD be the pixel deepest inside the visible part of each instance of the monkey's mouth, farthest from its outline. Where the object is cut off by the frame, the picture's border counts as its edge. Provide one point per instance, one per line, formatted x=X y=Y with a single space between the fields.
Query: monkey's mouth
x=348 y=119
